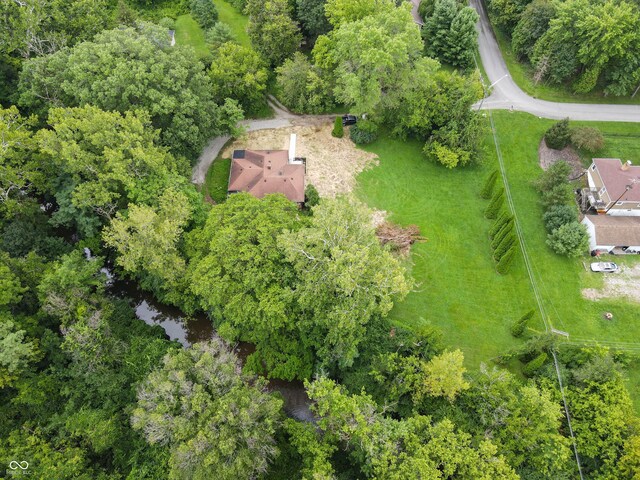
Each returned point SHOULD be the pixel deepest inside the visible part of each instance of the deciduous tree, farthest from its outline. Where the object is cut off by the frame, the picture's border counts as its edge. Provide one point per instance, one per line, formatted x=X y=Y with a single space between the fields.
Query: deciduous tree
x=218 y=422
x=273 y=32
x=134 y=69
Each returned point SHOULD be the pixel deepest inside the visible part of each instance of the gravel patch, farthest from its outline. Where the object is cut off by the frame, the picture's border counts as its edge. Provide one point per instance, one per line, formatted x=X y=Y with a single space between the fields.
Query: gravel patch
x=624 y=284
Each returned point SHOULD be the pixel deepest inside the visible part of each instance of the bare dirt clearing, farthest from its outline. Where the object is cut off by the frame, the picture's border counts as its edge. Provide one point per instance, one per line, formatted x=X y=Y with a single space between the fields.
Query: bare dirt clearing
x=549 y=156
x=625 y=284
x=332 y=163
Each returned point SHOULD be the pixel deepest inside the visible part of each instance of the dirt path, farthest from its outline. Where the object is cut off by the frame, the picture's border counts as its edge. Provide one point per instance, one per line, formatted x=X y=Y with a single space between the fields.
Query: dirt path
x=282 y=118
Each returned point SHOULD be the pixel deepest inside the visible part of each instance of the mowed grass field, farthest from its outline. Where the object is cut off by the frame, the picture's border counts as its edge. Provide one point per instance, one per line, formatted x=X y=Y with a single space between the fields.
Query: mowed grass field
x=235 y=19
x=458 y=289
x=189 y=32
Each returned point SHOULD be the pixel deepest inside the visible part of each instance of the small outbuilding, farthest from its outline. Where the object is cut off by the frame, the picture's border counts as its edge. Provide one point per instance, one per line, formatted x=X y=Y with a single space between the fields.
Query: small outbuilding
x=607 y=233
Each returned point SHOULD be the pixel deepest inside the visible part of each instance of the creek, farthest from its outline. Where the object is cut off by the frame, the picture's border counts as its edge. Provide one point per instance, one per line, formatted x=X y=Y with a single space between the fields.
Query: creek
x=198 y=328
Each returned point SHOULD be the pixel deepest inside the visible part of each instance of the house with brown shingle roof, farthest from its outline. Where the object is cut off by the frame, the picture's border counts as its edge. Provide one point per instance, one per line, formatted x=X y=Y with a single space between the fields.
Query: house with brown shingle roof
x=609 y=232
x=614 y=187
x=261 y=172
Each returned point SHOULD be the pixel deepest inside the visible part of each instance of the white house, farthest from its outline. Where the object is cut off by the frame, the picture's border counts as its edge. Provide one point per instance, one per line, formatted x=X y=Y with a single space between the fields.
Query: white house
x=614 y=187
x=607 y=232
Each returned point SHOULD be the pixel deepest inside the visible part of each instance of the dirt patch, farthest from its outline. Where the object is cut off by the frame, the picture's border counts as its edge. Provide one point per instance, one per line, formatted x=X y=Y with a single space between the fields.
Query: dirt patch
x=332 y=163
x=624 y=284
x=549 y=156
x=399 y=238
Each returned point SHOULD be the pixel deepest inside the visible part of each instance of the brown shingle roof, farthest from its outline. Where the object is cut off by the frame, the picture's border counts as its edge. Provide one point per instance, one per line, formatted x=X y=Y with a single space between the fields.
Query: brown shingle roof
x=615 y=179
x=616 y=230
x=261 y=172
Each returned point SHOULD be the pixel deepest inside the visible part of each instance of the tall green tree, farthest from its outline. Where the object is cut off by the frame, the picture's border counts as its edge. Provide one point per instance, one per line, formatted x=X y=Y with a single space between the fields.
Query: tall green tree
x=369 y=57
x=134 y=69
x=20 y=173
x=240 y=277
x=239 y=73
x=596 y=40
x=103 y=160
x=414 y=447
x=146 y=240
x=533 y=24
x=340 y=12
x=302 y=87
x=524 y=421
x=218 y=422
x=312 y=16
x=204 y=12
x=273 y=32
x=343 y=278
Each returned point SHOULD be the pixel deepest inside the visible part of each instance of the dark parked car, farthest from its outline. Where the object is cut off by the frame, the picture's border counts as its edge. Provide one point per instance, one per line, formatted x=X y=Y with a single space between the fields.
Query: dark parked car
x=349 y=120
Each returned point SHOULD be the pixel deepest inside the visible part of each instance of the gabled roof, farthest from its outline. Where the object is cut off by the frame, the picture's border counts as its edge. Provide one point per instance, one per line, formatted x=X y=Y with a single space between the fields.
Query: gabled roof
x=615 y=179
x=261 y=172
x=619 y=231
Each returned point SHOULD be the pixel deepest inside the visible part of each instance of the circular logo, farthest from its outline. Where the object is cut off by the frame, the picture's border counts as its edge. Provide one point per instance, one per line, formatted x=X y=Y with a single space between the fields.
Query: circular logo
x=13 y=465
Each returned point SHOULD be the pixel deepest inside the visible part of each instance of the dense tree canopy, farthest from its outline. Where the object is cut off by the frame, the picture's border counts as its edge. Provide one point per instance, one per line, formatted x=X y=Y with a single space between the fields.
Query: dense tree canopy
x=239 y=73
x=369 y=56
x=126 y=69
x=273 y=32
x=218 y=422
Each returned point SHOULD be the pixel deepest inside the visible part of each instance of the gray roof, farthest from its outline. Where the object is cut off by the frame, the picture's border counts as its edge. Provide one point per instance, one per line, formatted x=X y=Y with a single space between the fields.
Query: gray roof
x=618 y=231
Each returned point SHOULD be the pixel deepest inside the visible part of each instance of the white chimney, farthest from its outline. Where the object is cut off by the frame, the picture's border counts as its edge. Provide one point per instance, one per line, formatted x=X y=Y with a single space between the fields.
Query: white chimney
x=626 y=165
x=292 y=148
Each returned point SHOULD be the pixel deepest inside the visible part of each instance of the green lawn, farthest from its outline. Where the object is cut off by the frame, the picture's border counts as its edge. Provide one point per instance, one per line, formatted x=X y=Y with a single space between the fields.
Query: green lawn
x=458 y=289
x=522 y=74
x=217 y=180
x=236 y=20
x=188 y=32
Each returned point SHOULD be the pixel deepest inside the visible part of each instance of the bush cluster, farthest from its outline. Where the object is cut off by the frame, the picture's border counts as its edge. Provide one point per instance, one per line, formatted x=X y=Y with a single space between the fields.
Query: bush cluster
x=589 y=139
x=363 y=132
x=338 y=129
x=503 y=242
x=566 y=236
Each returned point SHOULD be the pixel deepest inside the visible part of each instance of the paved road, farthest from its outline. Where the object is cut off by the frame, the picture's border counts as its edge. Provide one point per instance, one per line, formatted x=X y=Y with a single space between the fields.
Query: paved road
x=505 y=94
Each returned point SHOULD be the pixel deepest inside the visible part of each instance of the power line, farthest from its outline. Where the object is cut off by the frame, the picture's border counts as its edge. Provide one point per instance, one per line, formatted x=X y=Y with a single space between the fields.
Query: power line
x=534 y=285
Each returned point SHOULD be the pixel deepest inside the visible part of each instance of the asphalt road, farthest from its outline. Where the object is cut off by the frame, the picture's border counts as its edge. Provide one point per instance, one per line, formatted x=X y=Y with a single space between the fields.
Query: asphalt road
x=505 y=94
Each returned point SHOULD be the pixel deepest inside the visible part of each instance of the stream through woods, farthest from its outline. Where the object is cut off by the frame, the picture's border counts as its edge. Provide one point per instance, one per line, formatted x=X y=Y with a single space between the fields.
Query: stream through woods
x=199 y=328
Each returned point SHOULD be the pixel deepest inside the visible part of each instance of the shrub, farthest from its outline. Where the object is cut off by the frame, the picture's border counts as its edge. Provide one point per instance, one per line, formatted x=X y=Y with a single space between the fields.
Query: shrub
x=518 y=328
x=503 y=247
x=204 y=12
x=426 y=8
x=559 y=215
x=311 y=196
x=587 y=138
x=495 y=205
x=363 y=132
x=503 y=218
x=489 y=185
x=559 y=135
x=168 y=23
x=338 y=129
x=218 y=34
x=570 y=239
x=556 y=174
x=507 y=229
x=532 y=367
x=504 y=265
